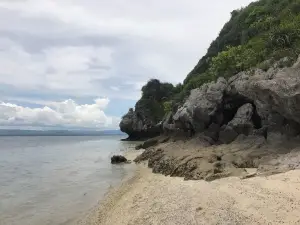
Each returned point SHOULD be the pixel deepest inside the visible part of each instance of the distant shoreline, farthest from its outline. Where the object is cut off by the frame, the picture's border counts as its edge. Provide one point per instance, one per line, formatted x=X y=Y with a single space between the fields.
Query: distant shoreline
x=14 y=132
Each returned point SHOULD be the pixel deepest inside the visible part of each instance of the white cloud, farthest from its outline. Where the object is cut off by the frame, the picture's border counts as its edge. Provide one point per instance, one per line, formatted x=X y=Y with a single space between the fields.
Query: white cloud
x=68 y=69
x=88 y=49
x=75 y=59
x=66 y=114
x=168 y=20
x=114 y=88
x=158 y=39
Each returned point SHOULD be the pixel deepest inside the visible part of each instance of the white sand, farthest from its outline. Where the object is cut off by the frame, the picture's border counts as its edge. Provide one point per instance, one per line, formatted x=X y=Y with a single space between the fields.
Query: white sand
x=158 y=200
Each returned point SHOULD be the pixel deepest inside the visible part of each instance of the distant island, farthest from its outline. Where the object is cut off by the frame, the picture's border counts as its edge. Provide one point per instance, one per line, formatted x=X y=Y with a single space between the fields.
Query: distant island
x=16 y=132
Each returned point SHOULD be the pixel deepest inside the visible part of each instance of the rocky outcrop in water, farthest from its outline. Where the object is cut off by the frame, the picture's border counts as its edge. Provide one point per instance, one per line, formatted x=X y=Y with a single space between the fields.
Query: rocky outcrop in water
x=118 y=159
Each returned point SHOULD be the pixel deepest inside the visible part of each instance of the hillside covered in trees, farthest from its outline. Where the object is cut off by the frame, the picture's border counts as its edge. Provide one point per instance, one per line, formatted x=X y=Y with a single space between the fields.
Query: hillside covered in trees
x=257 y=36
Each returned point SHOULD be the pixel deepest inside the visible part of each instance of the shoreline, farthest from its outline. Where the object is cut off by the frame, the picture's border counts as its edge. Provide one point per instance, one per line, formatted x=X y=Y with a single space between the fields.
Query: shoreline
x=93 y=217
x=149 y=198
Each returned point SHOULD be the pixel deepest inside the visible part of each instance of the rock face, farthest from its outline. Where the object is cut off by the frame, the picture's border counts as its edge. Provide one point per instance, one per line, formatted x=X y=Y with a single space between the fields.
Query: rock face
x=276 y=95
x=137 y=127
x=242 y=121
x=257 y=113
x=255 y=102
x=152 y=142
x=249 y=103
x=117 y=159
x=168 y=123
x=202 y=107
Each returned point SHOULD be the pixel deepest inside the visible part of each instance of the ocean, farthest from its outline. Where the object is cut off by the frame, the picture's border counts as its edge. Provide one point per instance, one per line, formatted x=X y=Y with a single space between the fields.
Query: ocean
x=56 y=180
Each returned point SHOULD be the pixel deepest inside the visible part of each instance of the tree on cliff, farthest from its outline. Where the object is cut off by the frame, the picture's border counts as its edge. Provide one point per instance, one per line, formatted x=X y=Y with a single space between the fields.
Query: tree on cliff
x=155 y=95
x=156 y=90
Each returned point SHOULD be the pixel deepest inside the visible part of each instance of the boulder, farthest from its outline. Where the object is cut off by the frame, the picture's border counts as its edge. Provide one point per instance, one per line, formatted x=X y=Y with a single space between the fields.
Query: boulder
x=213 y=131
x=242 y=121
x=202 y=105
x=261 y=132
x=227 y=135
x=139 y=146
x=117 y=159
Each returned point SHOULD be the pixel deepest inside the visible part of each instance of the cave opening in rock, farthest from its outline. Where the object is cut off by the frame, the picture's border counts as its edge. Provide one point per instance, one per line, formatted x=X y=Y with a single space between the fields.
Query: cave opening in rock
x=256 y=120
x=231 y=104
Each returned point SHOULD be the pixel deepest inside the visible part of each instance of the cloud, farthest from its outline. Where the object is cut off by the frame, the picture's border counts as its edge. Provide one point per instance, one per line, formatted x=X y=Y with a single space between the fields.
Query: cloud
x=67 y=114
x=66 y=68
x=53 y=50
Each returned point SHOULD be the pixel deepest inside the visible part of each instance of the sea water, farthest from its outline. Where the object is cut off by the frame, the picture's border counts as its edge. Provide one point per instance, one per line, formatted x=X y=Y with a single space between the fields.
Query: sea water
x=56 y=180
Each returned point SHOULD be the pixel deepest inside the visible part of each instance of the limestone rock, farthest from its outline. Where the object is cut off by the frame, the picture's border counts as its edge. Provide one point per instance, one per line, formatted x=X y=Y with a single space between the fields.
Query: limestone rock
x=213 y=131
x=137 y=127
x=168 y=123
x=202 y=105
x=147 y=144
x=245 y=103
x=277 y=90
x=227 y=135
x=242 y=121
x=240 y=124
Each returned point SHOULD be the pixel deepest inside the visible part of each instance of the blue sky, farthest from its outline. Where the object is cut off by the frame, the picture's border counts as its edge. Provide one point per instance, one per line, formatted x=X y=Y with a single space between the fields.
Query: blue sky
x=81 y=63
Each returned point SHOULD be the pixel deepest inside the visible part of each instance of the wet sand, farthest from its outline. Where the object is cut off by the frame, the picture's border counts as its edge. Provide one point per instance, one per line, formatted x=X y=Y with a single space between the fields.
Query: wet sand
x=149 y=198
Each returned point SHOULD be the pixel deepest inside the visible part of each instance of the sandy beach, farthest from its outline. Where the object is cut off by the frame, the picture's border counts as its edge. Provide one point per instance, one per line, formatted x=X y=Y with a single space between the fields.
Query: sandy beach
x=149 y=198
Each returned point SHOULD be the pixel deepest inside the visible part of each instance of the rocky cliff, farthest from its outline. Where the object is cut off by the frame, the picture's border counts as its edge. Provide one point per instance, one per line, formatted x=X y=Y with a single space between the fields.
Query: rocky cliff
x=249 y=121
x=137 y=127
x=255 y=102
x=246 y=83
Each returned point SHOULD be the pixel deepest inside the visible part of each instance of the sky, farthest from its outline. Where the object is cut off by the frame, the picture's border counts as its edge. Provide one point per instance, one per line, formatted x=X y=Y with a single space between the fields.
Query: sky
x=80 y=64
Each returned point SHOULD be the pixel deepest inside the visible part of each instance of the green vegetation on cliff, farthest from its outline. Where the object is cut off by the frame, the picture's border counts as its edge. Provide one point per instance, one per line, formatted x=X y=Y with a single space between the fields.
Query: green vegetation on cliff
x=156 y=100
x=256 y=36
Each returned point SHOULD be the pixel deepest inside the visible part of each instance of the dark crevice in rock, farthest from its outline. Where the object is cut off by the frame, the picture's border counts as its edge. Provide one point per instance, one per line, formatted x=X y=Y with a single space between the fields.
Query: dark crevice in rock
x=256 y=120
x=231 y=103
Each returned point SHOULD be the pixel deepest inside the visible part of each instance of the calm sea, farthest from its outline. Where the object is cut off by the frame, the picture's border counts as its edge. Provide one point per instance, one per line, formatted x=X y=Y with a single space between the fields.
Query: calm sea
x=56 y=180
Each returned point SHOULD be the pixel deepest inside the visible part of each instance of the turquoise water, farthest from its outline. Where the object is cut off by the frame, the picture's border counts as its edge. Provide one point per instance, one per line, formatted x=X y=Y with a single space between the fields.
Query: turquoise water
x=56 y=180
